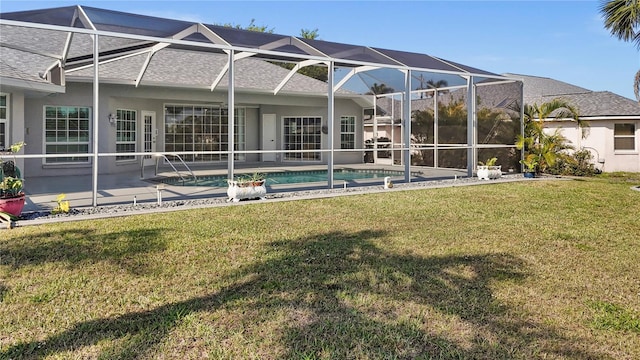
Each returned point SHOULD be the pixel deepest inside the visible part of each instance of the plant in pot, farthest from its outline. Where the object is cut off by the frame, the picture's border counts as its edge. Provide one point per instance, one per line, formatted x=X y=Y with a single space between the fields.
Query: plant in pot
x=489 y=170
x=12 y=196
x=247 y=187
x=530 y=166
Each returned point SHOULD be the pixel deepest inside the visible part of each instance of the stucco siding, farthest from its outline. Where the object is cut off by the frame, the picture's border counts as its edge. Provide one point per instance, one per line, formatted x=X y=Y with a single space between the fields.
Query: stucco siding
x=113 y=97
x=599 y=140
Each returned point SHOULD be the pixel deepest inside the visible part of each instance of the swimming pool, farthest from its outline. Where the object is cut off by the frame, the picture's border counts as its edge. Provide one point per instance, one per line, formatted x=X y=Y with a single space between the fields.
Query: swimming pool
x=290 y=177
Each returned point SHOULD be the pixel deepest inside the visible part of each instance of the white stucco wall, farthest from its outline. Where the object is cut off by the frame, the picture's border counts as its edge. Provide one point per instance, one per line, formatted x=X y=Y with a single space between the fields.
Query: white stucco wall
x=600 y=141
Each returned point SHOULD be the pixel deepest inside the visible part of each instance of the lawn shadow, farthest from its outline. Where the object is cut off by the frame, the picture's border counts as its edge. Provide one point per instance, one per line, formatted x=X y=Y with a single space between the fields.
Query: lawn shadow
x=78 y=246
x=346 y=298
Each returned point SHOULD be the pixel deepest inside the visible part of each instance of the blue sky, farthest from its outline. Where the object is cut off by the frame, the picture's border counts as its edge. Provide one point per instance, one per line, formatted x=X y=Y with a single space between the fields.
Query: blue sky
x=564 y=40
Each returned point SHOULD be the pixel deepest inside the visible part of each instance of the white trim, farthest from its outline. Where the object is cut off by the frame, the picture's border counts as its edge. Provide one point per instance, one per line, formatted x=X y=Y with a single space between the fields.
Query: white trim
x=7 y=119
x=633 y=136
x=284 y=142
x=354 y=132
x=154 y=133
x=27 y=85
x=135 y=131
x=242 y=125
x=615 y=117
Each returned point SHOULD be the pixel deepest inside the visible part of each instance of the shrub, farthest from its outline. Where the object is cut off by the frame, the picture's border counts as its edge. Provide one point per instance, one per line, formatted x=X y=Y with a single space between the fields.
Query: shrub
x=577 y=164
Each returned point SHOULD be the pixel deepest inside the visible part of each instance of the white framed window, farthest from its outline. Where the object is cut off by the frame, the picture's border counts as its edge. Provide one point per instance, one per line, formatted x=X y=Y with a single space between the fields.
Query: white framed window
x=67 y=130
x=4 y=121
x=624 y=138
x=347 y=132
x=302 y=133
x=202 y=128
x=126 y=132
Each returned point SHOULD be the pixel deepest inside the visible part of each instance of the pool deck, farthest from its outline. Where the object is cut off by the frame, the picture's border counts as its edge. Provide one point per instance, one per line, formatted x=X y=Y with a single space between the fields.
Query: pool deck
x=129 y=187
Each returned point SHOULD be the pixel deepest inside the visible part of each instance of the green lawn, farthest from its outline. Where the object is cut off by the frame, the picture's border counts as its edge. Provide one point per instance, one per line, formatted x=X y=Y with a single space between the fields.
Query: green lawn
x=526 y=270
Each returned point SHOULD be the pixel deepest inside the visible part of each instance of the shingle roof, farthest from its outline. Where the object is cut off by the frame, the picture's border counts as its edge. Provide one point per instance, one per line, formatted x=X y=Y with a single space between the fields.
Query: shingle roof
x=196 y=69
x=589 y=103
x=199 y=71
x=22 y=66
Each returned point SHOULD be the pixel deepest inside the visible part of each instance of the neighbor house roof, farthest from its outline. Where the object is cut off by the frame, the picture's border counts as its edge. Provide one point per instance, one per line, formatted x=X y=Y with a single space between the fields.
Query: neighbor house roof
x=590 y=103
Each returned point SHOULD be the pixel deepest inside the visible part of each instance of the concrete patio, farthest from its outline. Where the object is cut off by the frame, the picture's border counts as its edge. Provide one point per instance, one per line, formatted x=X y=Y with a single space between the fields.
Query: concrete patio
x=127 y=188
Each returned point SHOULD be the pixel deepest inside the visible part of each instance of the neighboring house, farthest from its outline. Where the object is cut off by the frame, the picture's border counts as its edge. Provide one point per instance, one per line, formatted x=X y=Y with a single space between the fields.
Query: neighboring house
x=613 y=135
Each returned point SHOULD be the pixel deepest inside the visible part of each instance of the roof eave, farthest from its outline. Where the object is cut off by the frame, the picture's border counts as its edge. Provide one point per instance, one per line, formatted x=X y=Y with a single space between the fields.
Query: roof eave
x=30 y=86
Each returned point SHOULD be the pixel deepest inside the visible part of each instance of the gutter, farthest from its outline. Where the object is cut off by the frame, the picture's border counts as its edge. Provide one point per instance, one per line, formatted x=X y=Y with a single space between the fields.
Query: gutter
x=28 y=85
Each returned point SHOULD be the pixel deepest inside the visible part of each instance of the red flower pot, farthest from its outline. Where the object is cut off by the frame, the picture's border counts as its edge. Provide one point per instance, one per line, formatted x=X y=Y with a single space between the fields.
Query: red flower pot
x=12 y=205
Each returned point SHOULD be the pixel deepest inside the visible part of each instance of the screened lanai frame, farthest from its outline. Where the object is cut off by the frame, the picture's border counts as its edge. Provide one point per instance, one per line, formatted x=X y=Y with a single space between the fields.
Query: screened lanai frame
x=238 y=44
x=496 y=123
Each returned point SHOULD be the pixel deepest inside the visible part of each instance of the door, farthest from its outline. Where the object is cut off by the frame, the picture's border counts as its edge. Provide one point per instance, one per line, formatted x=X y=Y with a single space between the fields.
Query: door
x=149 y=135
x=269 y=136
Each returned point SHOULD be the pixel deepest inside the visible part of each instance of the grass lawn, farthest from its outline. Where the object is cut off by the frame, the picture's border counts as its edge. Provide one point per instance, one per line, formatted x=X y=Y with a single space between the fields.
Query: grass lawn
x=527 y=270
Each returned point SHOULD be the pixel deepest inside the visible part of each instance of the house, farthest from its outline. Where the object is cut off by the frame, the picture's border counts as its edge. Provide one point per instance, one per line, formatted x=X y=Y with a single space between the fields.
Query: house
x=211 y=96
x=613 y=133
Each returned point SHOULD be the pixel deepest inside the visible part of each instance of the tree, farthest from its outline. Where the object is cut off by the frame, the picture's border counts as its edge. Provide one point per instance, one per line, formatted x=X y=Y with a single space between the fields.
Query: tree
x=540 y=146
x=377 y=89
x=314 y=71
x=437 y=84
x=251 y=27
x=309 y=34
x=622 y=18
x=431 y=84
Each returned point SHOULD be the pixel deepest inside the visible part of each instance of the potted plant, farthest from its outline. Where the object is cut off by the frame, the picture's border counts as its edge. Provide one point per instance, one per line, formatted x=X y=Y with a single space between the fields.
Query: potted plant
x=247 y=187
x=12 y=196
x=489 y=170
x=530 y=166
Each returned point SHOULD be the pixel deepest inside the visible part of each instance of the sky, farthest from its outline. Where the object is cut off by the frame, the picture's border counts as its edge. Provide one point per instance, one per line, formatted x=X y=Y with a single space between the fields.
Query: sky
x=563 y=40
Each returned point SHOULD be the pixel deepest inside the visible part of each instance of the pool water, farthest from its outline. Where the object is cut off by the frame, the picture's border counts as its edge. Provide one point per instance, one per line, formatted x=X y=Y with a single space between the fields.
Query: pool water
x=290 y=177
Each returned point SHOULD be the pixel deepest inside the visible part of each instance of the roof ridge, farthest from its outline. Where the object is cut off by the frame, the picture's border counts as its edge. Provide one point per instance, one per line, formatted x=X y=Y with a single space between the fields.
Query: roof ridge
x=531 y=76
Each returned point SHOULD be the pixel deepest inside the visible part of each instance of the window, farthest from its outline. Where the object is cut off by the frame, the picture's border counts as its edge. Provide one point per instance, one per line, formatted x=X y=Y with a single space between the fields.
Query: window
x=202 y=128
x=347 y=132
x=4 y=122
x=125 y=134
x=67 y=132
x=624 y=137
x=302 y=133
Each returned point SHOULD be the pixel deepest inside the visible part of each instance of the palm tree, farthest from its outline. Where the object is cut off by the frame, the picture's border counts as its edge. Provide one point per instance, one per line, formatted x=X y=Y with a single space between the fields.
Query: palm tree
x=622 y=18
x=377 y=89
x=546 y=148
x=437 y=84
